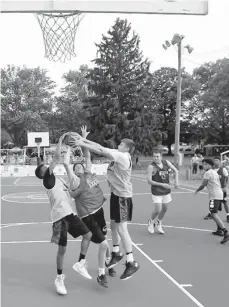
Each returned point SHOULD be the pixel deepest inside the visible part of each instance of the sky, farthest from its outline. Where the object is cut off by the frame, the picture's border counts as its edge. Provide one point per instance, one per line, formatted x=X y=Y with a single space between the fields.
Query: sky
x=22 y=42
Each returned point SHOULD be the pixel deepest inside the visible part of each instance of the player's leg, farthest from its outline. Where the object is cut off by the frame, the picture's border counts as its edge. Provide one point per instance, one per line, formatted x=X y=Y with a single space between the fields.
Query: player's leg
x=77 y=228
x=214 y=206
x=166 y=199
x=226 y=207
x=111 y=271
x=157 y=203
x=116 y=255
x=59 y=237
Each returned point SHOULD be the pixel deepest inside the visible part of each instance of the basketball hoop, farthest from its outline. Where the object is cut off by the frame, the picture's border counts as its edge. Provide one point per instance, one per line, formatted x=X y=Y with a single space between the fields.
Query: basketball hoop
x=59 y=31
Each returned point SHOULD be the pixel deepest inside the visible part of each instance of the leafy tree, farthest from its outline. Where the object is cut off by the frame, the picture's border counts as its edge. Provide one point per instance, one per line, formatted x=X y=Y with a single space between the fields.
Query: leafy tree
x=27 y=97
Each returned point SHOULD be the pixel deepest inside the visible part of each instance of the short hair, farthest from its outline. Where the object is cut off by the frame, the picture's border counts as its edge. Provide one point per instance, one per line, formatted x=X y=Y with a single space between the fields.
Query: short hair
x=129 y=144
x=38 y=171
x=208 y=161
x=156 y=150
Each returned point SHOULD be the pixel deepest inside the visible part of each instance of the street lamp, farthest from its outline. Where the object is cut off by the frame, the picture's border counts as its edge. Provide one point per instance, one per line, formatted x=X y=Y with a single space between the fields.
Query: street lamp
x=177 y=40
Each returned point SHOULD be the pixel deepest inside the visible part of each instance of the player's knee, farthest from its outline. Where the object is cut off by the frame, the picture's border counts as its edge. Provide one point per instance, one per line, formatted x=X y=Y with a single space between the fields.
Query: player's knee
x=164 y=207
x=87 y=236
x=104 y=245
x=158 y=208
x=122 y=228
x=61 y=250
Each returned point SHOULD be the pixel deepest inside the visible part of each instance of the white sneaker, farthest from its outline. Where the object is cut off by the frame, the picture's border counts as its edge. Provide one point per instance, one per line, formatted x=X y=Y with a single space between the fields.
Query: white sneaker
x=159 y=228
x=59 y=283
x=80 y=267
x=151 y=226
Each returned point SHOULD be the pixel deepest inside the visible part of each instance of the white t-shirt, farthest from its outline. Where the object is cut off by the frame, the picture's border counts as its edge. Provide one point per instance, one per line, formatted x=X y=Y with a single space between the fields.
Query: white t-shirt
x=119 y=173
x=214 y=186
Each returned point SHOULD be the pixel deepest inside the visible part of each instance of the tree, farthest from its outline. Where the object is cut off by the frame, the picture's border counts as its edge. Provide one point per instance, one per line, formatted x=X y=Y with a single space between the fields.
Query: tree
x=121 y=105
x=27 y=97
x=165 y=95
x=210 y=109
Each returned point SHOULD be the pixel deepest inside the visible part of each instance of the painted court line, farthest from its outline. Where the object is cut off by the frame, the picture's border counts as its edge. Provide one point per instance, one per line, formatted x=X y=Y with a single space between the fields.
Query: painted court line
x=169 y=277
x=16 y=181
x=133 y=224
x=37 y=241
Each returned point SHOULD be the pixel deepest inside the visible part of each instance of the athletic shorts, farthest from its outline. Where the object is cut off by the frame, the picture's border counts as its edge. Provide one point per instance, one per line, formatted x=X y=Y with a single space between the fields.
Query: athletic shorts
x=69 y=224
x=224 y=201
x=161 y=199
x=97 y=225
x=215 y=205
x=121 y=208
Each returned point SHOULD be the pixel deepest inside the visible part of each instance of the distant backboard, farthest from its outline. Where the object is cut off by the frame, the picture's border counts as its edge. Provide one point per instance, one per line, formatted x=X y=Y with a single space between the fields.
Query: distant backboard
x=184 y=7
x=33 y=138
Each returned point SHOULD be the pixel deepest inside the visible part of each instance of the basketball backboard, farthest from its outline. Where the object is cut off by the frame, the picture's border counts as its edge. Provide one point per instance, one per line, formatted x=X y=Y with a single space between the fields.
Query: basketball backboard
x=33 y=138
x=179 y=7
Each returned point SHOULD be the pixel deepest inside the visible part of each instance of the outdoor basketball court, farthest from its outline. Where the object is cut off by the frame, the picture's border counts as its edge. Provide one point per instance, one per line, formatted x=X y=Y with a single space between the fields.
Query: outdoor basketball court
x=185 y=267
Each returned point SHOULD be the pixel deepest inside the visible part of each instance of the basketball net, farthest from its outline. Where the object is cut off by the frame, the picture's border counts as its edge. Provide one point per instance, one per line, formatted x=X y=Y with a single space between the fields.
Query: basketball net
x=59 y=31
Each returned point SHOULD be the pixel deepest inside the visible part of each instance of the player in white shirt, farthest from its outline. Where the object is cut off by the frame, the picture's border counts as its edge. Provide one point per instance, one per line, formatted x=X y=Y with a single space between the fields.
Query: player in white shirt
x=64 y=219
x=121 y=206
x=212 y=182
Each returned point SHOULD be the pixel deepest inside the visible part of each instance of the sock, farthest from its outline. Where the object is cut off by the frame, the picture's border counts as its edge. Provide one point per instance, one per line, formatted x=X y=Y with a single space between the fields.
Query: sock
x=129 y=257
x=59 y=272
x=82 y=257
x=101 y=271
x=108 y=259
x=227 y=214
x=115 y=248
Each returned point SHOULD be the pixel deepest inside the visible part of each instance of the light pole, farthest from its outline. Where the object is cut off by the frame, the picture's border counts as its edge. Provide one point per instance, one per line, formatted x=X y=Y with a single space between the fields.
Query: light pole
x=177 y=40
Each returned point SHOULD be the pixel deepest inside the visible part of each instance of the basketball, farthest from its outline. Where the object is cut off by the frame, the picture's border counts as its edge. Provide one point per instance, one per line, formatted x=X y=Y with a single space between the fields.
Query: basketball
x=71 y=137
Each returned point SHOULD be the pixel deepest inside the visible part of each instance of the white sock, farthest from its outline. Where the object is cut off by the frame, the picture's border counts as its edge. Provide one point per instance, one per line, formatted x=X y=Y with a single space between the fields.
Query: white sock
x=108 y=259
x=130 y=257
x=227 y=214
x=116 y=249
x=101 y=271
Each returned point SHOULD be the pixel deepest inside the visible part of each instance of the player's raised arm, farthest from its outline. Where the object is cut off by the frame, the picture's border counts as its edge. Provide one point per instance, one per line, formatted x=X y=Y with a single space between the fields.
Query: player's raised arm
x=86 y=150
x=57 y=155
x=74 y=181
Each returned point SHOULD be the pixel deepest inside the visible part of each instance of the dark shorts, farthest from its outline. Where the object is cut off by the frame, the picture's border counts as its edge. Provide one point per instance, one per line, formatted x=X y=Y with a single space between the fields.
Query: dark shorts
x=201 y=167
x=121 y=208
x=97 y=225
x=224 y=201
x=215 y=205
x=69 y=224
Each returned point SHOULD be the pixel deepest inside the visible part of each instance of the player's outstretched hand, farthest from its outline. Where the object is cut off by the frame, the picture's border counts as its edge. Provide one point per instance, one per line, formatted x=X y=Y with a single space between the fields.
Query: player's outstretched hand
x=84 y=131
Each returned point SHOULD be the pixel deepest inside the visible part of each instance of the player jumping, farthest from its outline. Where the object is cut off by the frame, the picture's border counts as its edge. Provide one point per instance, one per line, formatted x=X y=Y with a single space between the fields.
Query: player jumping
x=158 y=177
x=89 y=200
x=121 y=206
x=64 y=219
x=212 y=182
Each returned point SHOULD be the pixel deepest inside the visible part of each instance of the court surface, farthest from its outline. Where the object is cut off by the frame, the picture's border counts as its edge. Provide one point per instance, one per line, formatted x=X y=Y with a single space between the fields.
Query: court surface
x=186 y=267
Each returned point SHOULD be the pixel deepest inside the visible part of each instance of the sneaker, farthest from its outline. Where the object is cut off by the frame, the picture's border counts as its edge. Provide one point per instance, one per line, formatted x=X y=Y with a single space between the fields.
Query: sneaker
x=228 y=218
x=151 y=226
x=208 y=216
x=111 y=272
x=102 y=281
x=226 y=238
x=131 y=268
x=115 y=259
x=80 y=267
x=218 y=232
x=59 y=283
x=159 y=228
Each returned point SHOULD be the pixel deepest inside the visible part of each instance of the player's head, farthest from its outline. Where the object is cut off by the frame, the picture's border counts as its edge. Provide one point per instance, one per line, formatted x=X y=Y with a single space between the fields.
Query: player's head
x=78 y=168
x=127 y=145
x=207 y=164
x=217 y=162
x=157 y=155
x=40 y=171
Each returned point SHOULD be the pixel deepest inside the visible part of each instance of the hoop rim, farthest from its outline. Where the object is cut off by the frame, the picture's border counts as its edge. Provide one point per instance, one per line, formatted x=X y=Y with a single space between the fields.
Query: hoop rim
x=60 y=14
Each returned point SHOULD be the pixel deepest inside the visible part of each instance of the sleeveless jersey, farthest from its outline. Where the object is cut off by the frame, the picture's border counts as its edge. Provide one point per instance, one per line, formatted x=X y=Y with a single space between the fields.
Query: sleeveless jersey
x=90 y=198
x=60 y=201
x=160 y=175
x=119 y=179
